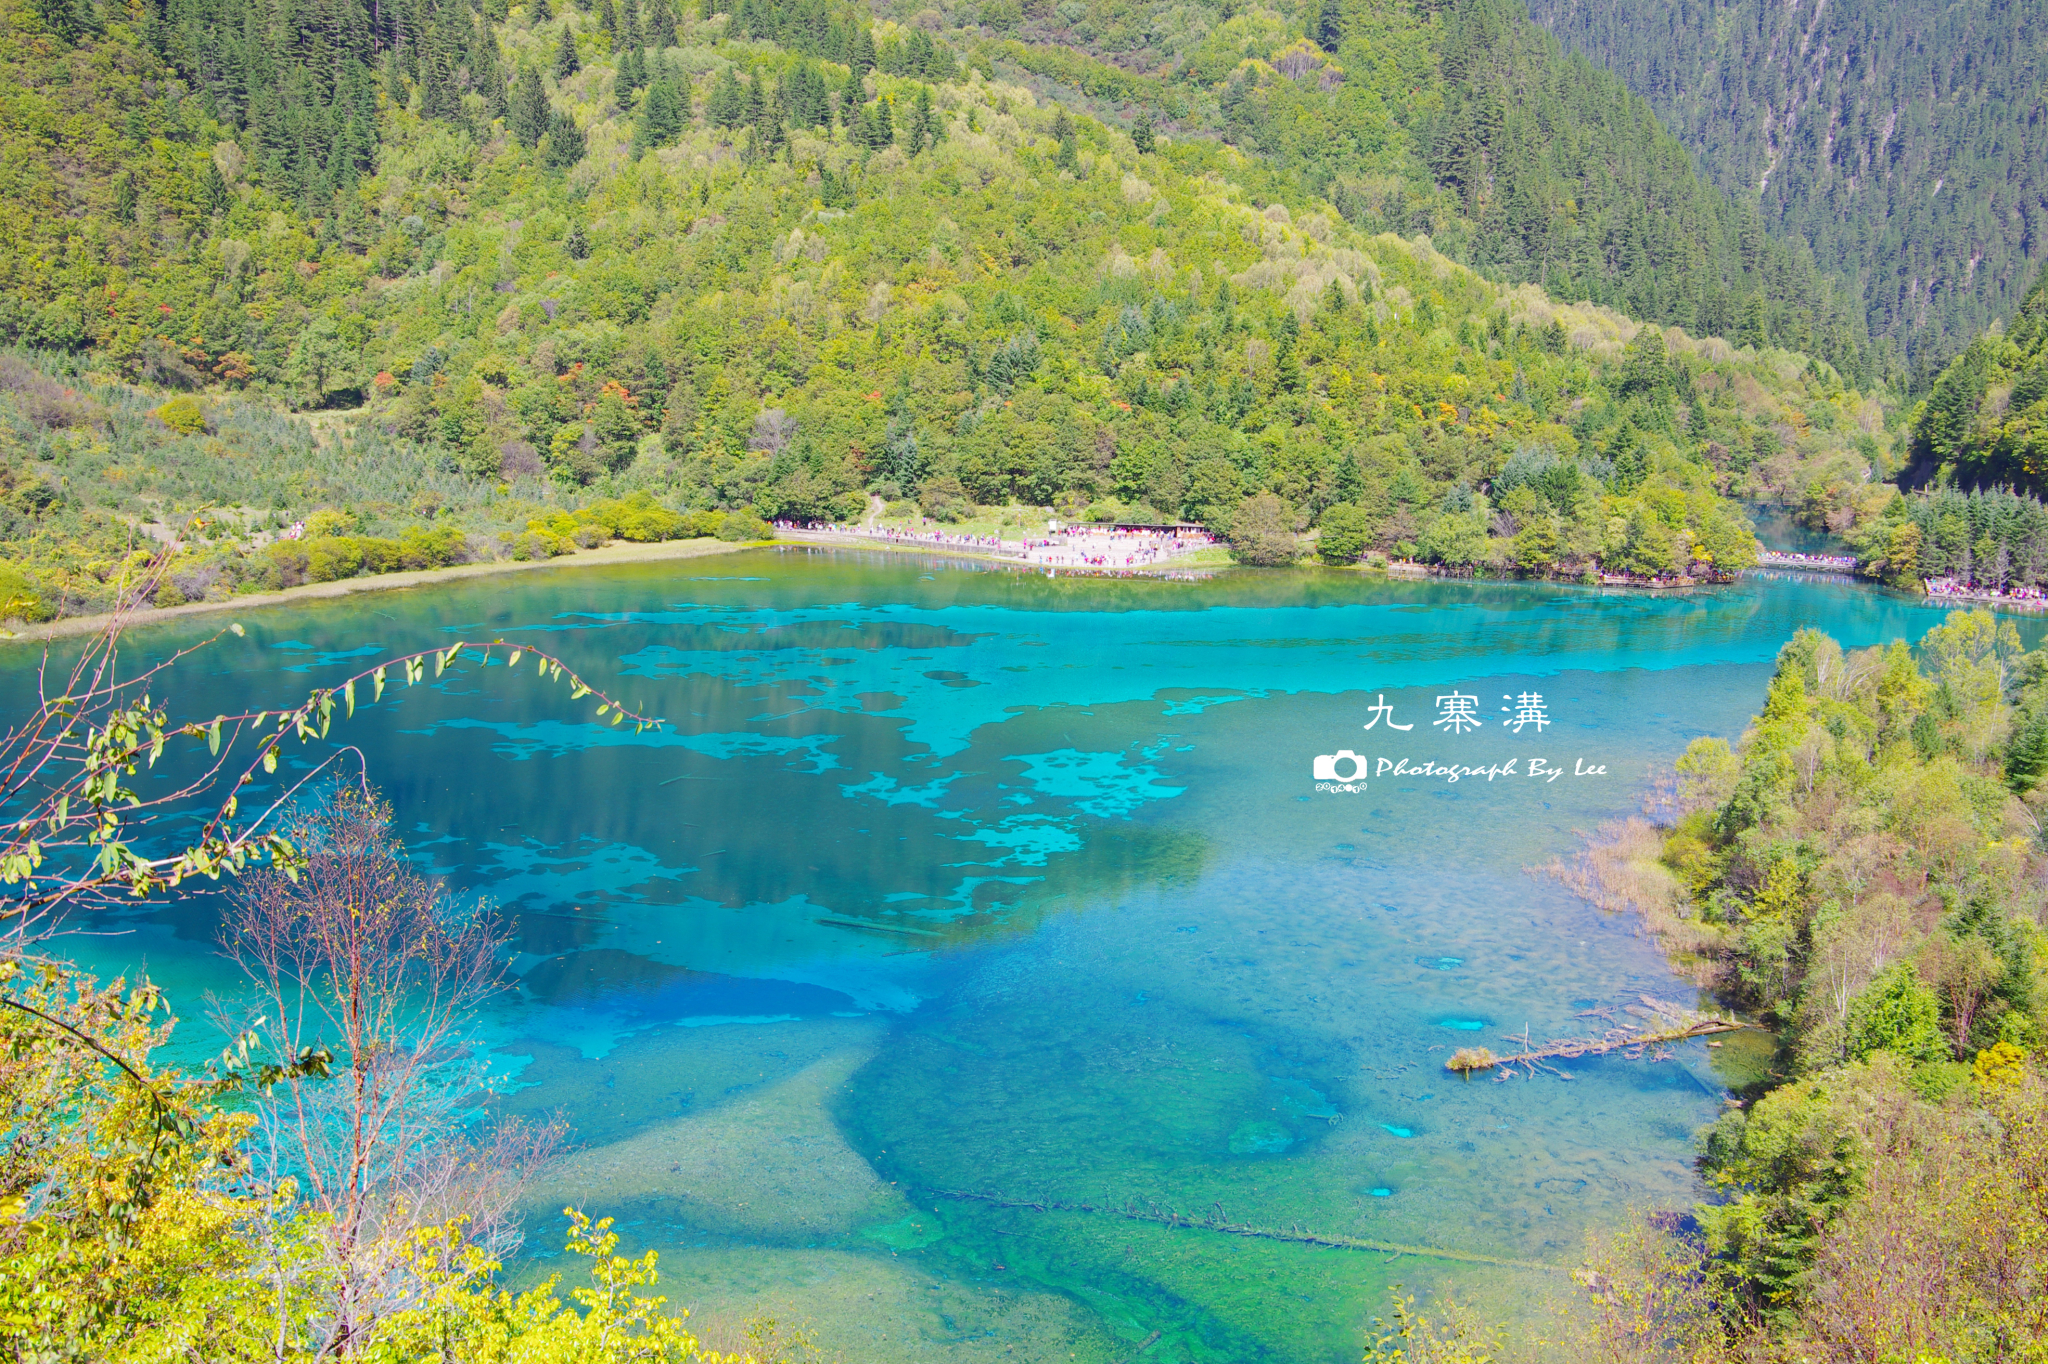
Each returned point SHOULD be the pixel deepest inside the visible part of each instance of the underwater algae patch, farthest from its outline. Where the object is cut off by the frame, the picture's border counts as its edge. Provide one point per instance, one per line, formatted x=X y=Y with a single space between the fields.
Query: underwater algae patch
x=761 y=1209
x=769 y=1165
x=868 y=1308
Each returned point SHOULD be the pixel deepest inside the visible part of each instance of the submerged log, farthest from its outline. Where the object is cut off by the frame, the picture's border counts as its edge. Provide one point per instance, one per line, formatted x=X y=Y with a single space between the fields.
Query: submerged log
x=1667 y=1023
x=1180 y=1221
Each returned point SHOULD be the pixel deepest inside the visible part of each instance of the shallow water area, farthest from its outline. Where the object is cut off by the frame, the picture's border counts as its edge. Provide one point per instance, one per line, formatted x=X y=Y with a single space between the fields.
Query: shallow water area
x=966 y=934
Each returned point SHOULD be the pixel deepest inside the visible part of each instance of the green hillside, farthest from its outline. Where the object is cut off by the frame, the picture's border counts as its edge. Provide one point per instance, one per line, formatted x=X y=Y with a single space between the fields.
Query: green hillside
x=520 y=265
x=1905 y=140
x=1461 y=120
x=1986 y=421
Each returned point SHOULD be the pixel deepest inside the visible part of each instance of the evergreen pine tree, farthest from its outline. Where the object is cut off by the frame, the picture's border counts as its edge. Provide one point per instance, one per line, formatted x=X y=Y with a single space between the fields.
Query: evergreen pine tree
x=924 y=122
x=567 y=63
x=1063 y=131
x=629 y=22
x=1631 y=464
x=852 y=95
x=862 y=58
x=876 y=126
x=565 y=142
x=213 y=189
x=486 y=77
x=607 y=17
x=1754 y=328
x=726 y=106
x=67 y=20
x=410 y=16
x=528 y=120
x=810 y=105
x=663 y=114
x=538 y=13
x=1141 y=135
x=1349 y=484
x=660 y=23
x=1330 y=25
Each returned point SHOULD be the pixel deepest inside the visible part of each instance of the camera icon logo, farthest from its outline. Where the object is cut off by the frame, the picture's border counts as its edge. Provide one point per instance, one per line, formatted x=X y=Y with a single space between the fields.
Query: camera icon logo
x=1326 y=766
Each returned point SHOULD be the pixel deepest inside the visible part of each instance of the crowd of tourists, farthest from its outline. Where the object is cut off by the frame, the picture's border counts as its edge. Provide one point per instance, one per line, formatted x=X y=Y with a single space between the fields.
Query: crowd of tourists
x=1834 y=563
x=1954 y=587
x=896 y=535
x=1114 y=546
x=1081 y=547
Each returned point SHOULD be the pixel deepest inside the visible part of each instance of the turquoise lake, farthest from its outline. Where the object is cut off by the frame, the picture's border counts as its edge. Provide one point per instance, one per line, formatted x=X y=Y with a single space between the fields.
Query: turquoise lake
x=943 y=879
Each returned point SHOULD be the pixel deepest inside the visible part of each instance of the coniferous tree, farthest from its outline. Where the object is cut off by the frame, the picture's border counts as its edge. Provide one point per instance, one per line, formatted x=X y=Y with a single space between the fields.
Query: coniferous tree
x=726 y=106
x=486 y=76
x=862 y=57
x=1066 y=158
x=876 y=127
x=607 y=17
x=1330 y=25
x=663 y=114
x=660 y=24
x=409 y=18
x=1142 y=136
x=567 y=63
x=810 y=105
x=439 y=58
x=68 y=20
x=925 y=128
x=565 y=142
x=538 y=13
x=528 y=119
x=213 y=189
x=852 y=95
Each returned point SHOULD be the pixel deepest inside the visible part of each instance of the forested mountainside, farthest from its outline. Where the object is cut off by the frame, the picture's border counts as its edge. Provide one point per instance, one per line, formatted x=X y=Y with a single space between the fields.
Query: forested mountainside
x=1985 y=423
x=769 y=263
x=1462 y=120
x=1905 y=140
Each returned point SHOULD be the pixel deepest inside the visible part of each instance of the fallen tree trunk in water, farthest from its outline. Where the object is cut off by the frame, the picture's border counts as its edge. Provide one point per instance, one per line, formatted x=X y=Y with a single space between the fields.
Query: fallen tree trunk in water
x=1668 y=1023
x=1168 y=1217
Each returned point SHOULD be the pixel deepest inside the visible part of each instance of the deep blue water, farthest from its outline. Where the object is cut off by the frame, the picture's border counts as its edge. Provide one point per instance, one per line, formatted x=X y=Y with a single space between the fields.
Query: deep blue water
x=971 y=881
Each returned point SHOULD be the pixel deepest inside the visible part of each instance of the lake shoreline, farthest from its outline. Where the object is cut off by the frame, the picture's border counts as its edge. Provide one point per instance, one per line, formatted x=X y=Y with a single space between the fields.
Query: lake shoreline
x=69 y=627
